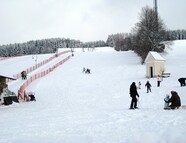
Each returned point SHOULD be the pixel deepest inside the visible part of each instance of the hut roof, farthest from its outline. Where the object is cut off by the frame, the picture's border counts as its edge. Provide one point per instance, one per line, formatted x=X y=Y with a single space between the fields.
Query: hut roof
x=154 y=56
x=8 y=77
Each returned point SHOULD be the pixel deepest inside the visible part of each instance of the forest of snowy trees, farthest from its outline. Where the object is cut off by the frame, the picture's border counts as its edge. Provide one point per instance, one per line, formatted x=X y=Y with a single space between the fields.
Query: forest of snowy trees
x=123 y=41
x=45 y=46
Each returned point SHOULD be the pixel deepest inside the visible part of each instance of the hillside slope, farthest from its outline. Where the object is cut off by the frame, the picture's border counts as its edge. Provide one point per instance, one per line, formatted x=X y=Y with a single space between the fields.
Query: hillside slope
x=73 y=107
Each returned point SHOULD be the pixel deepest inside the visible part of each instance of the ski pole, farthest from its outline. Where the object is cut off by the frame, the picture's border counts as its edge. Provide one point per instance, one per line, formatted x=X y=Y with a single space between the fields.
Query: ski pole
x=139 y=102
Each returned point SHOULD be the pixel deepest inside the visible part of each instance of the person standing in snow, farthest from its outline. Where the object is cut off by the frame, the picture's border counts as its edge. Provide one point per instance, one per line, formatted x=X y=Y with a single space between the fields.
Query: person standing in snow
x=174 y=100
x=84 y=69
x=139 y=85
x=25 y=74
x=133 y=94
x=148 y=85
x=182 y=81
x=22 y=75
x=87 y=71
x=166 y=104
x=158 y=80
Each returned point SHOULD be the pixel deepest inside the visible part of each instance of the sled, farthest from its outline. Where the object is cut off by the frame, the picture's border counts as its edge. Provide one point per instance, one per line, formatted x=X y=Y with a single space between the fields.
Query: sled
x=133 y=108
x=181 y=107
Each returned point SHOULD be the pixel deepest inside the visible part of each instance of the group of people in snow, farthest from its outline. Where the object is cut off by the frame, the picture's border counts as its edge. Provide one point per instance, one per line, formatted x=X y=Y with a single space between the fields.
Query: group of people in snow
x=171 y=102
x=174 y=100
x=30 y=96
x=86 y=70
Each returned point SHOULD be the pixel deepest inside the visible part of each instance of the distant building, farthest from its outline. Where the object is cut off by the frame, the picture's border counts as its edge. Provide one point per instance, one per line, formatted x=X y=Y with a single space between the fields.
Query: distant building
x=155 y=64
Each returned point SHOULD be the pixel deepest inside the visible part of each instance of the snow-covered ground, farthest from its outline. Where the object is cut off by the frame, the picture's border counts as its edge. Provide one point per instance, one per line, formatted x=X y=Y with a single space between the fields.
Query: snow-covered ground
x=73 y=107
x=10 y=66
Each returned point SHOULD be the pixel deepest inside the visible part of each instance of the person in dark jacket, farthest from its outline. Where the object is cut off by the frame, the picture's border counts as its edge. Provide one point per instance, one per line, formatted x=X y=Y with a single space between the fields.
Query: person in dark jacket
x=87 y=71
x=133 y=94
x=182 y=81
x=22 y=75
x=174 y=100
x=148 y=85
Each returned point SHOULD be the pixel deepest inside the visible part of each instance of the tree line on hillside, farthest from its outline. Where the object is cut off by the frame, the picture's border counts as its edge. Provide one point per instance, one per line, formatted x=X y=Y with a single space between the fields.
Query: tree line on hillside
x=37 y=47
x=45 y=46
x=149 y=34
x=123 y=41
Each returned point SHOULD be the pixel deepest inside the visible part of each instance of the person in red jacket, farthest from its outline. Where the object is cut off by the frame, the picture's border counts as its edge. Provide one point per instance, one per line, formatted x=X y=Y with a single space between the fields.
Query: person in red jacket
x=159 y=79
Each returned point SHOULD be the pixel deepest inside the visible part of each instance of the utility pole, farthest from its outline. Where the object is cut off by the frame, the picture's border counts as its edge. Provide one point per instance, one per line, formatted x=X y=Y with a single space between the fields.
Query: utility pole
x=155 y=6
x=156 y=12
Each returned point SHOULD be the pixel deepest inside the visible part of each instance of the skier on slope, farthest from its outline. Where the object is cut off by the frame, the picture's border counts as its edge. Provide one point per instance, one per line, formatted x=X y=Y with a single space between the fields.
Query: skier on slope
x=133 y=94
x=148 y=85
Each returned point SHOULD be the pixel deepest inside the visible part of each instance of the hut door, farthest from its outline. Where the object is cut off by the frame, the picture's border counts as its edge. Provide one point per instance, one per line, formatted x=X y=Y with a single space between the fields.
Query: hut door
x=151 y=71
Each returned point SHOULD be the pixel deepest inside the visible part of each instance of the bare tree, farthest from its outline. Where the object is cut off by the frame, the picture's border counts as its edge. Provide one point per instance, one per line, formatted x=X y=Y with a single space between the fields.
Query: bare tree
x=149 y=33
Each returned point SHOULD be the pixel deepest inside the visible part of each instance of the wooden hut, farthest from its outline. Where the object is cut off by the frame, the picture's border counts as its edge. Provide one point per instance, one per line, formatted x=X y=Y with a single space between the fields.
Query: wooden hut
x=155 y=64
x=3 y=84
x=7 y=100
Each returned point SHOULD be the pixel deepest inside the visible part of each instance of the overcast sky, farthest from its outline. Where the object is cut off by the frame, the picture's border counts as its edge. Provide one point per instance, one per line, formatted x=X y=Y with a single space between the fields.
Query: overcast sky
x=85 y=20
